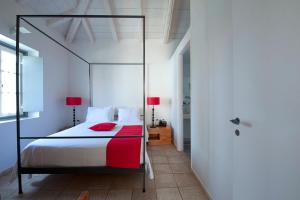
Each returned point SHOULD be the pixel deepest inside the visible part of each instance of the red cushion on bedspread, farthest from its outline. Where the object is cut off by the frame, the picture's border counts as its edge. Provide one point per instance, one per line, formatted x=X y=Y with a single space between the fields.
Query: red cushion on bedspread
x=108 y=126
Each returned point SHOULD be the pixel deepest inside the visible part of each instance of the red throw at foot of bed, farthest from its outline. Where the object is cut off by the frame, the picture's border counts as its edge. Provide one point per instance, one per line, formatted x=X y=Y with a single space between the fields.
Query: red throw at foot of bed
x=125 y=152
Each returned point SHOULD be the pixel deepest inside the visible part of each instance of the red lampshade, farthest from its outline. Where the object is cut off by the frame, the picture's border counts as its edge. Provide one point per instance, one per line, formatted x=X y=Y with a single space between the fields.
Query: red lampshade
x=153 y=100
x=73 y=101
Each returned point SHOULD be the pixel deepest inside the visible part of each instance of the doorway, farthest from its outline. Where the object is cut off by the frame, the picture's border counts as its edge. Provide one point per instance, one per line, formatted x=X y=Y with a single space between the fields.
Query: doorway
x=186 y=103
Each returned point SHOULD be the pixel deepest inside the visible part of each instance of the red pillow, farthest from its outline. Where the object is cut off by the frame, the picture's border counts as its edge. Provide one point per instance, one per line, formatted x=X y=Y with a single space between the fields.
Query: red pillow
x=108 y=126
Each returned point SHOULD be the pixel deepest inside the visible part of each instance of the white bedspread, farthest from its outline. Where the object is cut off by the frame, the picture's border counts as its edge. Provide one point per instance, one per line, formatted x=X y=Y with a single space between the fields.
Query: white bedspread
x=73 y=152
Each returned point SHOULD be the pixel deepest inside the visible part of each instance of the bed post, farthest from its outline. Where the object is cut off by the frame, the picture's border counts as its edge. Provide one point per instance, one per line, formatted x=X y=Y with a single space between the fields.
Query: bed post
x=144 y=96
x=18 y=104
x=90 y=85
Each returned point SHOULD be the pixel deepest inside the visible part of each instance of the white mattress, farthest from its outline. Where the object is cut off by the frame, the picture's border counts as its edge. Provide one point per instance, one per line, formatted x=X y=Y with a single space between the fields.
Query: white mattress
x=72 y=152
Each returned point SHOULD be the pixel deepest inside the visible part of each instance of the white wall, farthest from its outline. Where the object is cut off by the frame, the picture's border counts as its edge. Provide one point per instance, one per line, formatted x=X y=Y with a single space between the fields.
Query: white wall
x=117 y=85
x=55 y=114
x=211 y=95
x=158 y=78
x=220 y=50
x=159 y=84
x=79 y=82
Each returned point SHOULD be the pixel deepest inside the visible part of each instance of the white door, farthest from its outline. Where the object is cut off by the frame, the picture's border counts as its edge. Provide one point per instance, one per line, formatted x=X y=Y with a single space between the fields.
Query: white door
x=267 y=99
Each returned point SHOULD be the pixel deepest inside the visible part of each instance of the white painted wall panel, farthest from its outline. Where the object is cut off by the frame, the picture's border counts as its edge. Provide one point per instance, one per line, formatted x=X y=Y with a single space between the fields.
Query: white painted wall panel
x=117 y=85
x=212 y=96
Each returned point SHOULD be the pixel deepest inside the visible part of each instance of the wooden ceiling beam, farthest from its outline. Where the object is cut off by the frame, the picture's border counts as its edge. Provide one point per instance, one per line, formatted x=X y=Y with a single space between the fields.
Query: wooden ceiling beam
x=57 y=21
x=73 y=29
x=80 y=9
x=111 y=21
x=88 y=29
x=140 y=7
x=168 y=21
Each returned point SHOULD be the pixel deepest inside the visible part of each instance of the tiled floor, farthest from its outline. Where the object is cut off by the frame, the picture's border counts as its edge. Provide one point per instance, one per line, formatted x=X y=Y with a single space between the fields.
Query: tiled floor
x=173 y=180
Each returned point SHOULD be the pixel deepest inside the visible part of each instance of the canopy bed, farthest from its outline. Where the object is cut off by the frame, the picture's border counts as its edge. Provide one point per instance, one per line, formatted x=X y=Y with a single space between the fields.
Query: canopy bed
x=78 y=154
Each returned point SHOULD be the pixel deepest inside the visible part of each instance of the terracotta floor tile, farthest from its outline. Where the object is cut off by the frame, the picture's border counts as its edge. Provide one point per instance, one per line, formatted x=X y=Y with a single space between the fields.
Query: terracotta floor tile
x=159 y=160
x=178 y=159
x=162 y=168
x=119 y=195
x=192 y=193
x=186 y=180
x=168 y=194
x=138 y=194
x=180 y=168
x=165 y=181
x=158 y=153
x=173 y=152
x=98 y=194
x=45 y=195
x=69 y=195
x=157 y=147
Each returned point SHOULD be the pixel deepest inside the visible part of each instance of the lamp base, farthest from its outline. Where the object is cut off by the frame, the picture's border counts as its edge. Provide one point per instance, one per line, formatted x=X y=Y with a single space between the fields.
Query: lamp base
x=74 y=117
x=152 y=125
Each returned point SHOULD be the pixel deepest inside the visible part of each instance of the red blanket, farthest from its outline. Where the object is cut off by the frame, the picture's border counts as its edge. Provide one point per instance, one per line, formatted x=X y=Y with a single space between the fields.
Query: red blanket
x=125 y=152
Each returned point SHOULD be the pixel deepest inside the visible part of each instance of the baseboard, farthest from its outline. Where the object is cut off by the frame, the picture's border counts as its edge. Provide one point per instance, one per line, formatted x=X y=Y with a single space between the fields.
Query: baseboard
x=203 y=186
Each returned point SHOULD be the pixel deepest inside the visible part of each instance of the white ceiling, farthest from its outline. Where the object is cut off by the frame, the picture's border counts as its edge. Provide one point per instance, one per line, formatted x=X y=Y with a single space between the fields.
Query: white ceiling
x=156 y=12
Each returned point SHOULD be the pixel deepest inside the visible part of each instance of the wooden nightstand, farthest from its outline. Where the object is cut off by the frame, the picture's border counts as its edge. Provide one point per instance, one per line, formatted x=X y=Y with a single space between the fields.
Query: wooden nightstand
x=159 y=135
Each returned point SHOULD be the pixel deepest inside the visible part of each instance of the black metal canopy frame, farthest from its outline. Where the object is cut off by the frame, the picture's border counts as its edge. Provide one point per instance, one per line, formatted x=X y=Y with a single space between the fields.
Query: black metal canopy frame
x=65 y=170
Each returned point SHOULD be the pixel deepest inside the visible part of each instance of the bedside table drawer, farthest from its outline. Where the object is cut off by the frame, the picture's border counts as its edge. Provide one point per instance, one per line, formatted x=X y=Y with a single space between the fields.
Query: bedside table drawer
x=159 y=135
x=154 y=136
x=166 y=132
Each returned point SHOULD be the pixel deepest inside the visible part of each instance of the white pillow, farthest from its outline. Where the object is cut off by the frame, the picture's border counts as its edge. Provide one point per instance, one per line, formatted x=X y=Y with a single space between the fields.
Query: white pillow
x=128 y=115
x=95 y=114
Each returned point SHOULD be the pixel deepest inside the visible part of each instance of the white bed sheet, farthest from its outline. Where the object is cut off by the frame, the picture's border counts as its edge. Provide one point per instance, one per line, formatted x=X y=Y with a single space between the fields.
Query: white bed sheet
x=73 y=152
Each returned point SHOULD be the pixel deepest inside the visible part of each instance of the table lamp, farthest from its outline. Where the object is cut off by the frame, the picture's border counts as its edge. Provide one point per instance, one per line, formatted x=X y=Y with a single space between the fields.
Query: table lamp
x=73 y=101
x=153 y=101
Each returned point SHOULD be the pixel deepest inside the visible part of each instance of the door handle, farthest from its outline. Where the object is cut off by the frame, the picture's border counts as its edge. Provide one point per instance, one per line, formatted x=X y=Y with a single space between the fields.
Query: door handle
x=237 y=132
x=236 y=121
